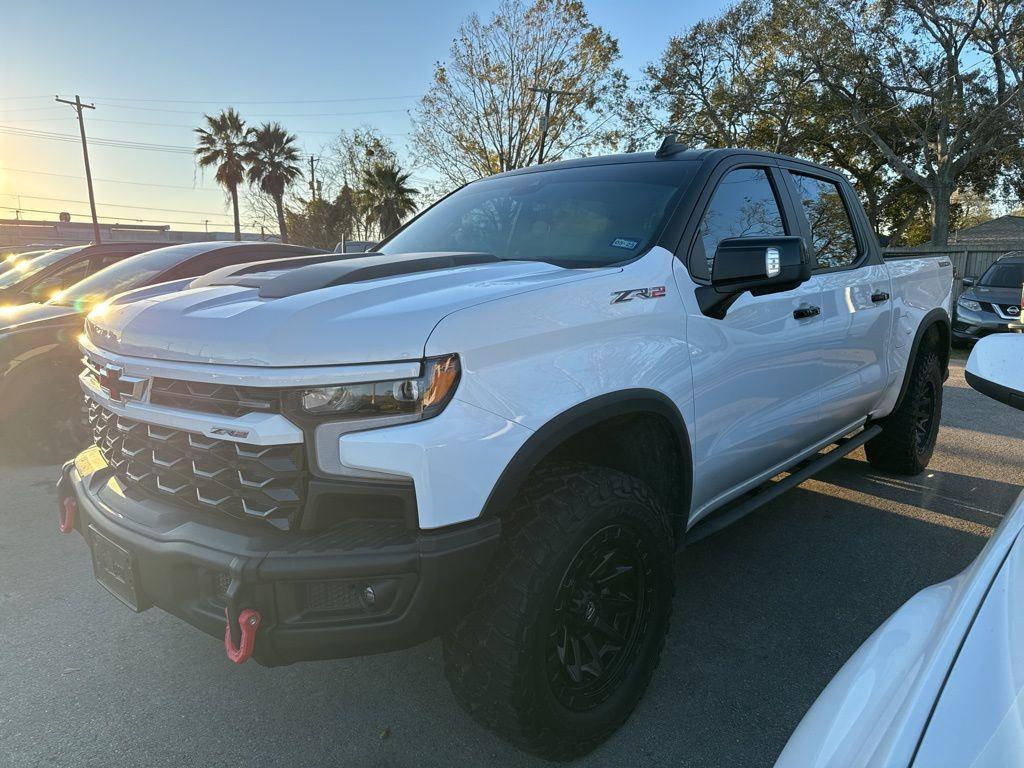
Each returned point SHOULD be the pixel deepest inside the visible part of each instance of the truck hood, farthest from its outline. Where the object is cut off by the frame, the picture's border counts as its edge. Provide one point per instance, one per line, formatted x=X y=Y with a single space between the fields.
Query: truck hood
x=242 y=320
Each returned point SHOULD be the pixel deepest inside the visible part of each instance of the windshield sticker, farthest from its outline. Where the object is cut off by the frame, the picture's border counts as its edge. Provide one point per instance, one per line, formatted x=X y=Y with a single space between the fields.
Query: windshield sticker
x=629 y=243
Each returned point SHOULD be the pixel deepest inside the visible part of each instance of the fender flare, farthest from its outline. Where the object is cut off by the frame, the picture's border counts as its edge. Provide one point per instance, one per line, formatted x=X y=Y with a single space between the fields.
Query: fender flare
x=575 y=420
x=937 y=316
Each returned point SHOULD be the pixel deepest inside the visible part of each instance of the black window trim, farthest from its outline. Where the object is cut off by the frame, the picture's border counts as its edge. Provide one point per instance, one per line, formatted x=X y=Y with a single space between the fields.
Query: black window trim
x=776 y=181
x=863 y=253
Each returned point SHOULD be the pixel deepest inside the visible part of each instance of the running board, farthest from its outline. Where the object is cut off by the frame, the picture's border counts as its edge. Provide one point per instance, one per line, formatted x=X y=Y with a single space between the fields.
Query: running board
x=769 y=490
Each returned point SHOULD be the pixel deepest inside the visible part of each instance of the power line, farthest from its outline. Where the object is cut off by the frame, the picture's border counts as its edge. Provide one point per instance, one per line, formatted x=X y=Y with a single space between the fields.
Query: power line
x=114 y=205
x=274 y=115
x=257 y=101
x=116 y=181
x=181 y=126
x=120 y=143
x=108 y=218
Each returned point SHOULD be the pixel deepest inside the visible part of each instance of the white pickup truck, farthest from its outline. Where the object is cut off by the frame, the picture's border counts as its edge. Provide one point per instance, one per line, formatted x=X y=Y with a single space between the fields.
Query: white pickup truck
x=502 y=424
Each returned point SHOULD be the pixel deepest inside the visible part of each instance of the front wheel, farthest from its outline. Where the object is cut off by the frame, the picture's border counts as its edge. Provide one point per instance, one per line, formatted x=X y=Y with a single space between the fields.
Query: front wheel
x=563 y=639
x=908 y=436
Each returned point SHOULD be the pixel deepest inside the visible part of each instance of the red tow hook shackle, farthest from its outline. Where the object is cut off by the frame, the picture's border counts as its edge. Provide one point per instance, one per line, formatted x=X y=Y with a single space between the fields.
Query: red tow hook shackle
x=68 y=512
x=248 y=622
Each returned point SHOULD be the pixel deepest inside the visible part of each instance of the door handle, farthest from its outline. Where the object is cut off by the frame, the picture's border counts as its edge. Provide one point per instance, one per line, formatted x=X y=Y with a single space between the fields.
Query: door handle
x=879 y=297
x=804 y=312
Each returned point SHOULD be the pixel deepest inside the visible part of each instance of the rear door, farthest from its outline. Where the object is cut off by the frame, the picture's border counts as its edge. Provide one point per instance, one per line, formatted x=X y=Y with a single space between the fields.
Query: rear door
x=757 y=370
x=856 y=295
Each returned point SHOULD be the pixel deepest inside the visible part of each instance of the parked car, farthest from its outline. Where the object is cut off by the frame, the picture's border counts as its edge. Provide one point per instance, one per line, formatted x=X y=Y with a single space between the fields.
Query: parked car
x=20 y=260
x=991 y=304
x=40 y=398
x=41 y=278
x=941 y=682
x=502 y=425
x=11 y=252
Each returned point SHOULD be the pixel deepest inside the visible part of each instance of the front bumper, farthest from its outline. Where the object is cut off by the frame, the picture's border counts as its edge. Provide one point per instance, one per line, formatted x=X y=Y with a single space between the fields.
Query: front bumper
x=971 y=326
x=309 y=587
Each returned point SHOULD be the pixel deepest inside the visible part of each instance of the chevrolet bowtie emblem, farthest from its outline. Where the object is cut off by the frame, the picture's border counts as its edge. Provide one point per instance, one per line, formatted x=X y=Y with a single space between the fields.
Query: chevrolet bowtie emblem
x=120 y=387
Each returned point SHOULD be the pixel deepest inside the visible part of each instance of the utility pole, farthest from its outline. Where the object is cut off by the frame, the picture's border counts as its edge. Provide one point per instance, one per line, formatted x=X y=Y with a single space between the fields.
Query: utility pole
x=545 y=121
x=312 y=178
x=79 y=106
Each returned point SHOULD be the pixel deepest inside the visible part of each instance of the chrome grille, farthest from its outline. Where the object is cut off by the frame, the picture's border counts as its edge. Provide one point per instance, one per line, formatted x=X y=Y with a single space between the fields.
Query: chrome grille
x=248 y=481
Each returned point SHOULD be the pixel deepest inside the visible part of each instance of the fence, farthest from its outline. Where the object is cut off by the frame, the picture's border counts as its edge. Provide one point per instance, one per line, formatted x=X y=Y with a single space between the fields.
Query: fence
x=967 y=262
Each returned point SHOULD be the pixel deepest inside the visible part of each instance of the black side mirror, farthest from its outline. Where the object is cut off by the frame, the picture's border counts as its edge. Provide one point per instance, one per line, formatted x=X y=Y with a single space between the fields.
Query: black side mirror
x=760 y=265
x=968 y=282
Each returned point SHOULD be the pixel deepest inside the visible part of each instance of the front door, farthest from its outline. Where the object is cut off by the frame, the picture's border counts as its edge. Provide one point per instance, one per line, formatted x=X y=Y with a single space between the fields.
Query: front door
x=756 y=371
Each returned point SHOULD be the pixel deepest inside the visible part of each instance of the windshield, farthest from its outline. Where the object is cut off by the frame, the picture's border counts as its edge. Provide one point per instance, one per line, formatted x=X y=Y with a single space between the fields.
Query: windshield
x=1003 y=276
x=588 y=216
x=25 y=268
x=133 y=272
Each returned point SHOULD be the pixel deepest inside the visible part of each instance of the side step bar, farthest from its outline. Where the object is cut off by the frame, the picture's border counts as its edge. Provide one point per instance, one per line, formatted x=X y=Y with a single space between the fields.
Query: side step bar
x=764 y=493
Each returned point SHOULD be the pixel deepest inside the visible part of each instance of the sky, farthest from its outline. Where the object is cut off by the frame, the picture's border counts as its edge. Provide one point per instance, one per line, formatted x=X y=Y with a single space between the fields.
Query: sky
x=152 y=69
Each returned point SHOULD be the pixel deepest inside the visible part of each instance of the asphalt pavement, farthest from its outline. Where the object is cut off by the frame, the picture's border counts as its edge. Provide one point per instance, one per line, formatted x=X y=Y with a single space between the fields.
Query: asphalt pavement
x=766 y=612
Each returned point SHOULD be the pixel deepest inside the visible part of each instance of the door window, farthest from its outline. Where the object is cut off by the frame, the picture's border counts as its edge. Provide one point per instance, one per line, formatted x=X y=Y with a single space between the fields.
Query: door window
x=835 y=246
x=66 y=276
x=743 y=205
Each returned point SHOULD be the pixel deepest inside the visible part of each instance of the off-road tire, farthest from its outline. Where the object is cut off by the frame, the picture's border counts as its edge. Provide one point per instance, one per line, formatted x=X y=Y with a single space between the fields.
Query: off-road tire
x=503 y=659
x=908 y=435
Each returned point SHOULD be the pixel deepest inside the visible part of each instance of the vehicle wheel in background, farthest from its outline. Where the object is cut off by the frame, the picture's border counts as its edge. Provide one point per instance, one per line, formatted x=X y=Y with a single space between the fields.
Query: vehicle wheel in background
x=568 y=629
x=959 y=343
x=908 y=435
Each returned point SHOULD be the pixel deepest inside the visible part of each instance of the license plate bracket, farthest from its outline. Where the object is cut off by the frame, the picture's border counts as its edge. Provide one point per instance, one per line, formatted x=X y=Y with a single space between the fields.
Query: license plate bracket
x=115 y=569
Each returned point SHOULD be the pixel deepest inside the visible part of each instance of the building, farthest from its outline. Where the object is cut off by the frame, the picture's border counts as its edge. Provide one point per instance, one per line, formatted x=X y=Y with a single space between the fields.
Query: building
x=16 y=232
x=1005 y=233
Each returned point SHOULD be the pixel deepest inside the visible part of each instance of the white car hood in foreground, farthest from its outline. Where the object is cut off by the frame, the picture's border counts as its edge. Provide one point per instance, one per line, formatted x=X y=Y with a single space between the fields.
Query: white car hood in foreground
x=939 y=683
x=386 y=319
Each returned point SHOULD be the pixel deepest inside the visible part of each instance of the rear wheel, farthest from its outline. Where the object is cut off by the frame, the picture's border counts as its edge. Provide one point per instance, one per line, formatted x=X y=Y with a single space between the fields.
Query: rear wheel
x=908 y=436
x=568 y=630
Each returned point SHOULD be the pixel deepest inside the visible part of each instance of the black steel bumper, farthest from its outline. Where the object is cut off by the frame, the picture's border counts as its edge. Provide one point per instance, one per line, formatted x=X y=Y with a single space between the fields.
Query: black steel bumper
x=312 y=589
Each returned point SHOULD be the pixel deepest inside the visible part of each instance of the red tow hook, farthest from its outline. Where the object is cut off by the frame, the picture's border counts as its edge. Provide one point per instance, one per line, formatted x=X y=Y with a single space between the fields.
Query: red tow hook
x=248 y=622
x=67 y=514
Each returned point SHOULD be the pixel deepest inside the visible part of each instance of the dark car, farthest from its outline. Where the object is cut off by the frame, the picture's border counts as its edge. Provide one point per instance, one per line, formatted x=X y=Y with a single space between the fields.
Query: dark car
x=39 y=279
x=991 y=304
x=39 y=358
x=19 y=260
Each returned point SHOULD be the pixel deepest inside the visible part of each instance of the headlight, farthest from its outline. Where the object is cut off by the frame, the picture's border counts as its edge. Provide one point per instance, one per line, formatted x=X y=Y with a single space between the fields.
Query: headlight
x=419 y=398
x=969 y=304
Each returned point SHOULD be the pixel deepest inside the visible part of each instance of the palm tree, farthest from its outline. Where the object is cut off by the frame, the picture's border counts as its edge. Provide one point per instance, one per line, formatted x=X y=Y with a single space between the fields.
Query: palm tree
x=273 y=161
x=387 y=197
x=223 y=143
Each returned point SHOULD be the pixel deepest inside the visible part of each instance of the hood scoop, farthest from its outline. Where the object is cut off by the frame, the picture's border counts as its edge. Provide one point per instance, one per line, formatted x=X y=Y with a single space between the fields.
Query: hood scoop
x=279 y=280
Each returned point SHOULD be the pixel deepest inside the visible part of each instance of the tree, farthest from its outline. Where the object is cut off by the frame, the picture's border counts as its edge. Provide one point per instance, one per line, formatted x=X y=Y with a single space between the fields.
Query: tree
x=740 y=79
x=480 y=115
x=273 y=164
x=727 y=81
x=347 y=161
x=315 y=223
x=223 y=143
x=940 y=68
x=387 y=197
